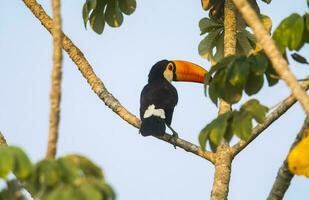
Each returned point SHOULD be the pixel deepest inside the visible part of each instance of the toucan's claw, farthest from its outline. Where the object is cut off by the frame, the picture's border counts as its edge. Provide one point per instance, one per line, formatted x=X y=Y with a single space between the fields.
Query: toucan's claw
x=174 y=136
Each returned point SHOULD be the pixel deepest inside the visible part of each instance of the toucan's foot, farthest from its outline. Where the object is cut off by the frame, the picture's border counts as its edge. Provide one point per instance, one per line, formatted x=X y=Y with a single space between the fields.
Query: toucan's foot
x=174 y=136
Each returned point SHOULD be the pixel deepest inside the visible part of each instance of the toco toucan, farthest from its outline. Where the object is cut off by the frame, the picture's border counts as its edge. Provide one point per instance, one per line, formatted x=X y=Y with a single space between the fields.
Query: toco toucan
x=159 y=97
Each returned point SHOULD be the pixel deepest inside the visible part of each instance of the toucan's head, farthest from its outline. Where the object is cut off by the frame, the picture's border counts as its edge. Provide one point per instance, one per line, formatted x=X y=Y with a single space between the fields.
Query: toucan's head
x=177 y=70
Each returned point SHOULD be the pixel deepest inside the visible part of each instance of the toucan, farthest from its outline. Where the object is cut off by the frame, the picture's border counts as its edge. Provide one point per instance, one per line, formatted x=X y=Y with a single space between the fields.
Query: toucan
x=159 y=97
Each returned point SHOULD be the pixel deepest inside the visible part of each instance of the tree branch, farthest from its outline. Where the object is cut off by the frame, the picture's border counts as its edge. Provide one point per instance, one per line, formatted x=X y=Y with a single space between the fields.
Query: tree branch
x=55 y=95
x=98 y=87
x=284 y=176
x=269 y=46
x=286 y=104
x=223 y=163
x=223 y=156
x=229 y=42
x=2 y=140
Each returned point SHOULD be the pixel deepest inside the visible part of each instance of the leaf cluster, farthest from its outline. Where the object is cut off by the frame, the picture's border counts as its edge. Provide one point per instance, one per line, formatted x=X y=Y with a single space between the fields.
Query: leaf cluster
x=292 y=32
x=212 y=46
x=69 y=177
x=97 y=12
x=235 y=122
x=216 y=7
x=234 y=74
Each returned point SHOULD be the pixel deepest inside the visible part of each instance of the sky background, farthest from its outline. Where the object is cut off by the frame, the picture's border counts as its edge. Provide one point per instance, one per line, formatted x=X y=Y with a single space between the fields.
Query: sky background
x=137 y=167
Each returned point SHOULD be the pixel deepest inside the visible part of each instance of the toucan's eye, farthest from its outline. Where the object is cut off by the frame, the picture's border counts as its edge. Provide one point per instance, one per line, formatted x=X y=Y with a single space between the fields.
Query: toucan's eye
x=170 y=67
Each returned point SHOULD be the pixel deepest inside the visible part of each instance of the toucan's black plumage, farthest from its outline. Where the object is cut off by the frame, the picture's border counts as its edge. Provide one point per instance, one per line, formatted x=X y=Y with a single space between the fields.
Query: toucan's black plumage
x=160 y=93
x=159 y=97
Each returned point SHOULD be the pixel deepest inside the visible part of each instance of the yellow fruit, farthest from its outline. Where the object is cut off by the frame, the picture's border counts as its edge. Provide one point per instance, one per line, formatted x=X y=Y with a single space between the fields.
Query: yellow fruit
x=298 y=159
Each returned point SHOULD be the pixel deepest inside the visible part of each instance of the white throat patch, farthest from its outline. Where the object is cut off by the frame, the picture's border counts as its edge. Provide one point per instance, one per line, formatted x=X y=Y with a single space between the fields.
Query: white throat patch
x=152 y=111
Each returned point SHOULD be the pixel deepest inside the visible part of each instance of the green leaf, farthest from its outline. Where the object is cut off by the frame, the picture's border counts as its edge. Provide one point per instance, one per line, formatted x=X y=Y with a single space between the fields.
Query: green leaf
x=206 y=46
x=108 y=192
x=271 y=76
x=243 y=43
x=64 y=192
x=213 y=146
x=224 y=63
x=204 y=134
x=98 y=184
x=258 y=64
x=85 y=14
x=22 y=164
x=224 y=89
x=97 y=20
x=219 y=48
x=206 y=25
x=306 y=17
x=127 y=6
x=254 y=83
x=254 y=108
x=289 y=33
x=113 y=15
x=215 y=130
x=88 y=6
x=219 y=82
x=242 y=124
x=232 y=94
x=298 y=58
x=219 y=128
x=68 y=171
x=88 y=167
x=271 y=79
x=229 y=132
x=250 y=37
x=92 y=4
x=88 y=191
x=267 y=23
x=48 y=172
x=6 y=162
x=238 y=72
x=212 y=93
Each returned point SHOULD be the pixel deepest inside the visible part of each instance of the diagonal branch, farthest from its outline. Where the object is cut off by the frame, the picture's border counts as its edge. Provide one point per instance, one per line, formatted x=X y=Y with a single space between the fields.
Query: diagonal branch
x=55 y=95
x=269 y=46
x=286 y=104
x=284 y=176
x=98 y=87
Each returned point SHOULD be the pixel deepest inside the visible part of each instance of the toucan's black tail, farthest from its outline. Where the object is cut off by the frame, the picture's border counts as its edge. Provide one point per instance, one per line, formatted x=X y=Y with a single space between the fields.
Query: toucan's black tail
x=152 y=126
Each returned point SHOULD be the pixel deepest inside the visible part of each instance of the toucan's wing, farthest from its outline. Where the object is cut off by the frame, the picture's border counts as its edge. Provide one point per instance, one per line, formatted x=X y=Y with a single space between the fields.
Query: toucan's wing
x=162 y=94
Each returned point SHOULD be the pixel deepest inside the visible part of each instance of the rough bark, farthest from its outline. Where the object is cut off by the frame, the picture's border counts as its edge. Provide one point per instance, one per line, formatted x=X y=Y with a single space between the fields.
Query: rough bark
x=223 y=158
x=271 y=50
x=229 y=42
x=55 y=94
x=284 y=176
x=99 y=88
x=223 y=163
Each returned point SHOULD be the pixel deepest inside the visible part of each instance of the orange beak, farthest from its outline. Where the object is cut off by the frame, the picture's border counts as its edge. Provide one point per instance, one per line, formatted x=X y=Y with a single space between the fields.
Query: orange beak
x=189 y=72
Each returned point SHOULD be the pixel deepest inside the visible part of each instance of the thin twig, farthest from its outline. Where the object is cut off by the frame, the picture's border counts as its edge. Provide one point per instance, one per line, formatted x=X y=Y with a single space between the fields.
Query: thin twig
x=284 y=176
x=55 y=94
x=286 y=104
x=271 y=50
x=99 y=88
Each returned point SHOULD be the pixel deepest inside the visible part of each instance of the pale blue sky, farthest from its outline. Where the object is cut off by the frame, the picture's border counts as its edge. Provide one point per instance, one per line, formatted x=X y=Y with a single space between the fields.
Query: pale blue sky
x=138 y=168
